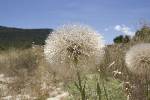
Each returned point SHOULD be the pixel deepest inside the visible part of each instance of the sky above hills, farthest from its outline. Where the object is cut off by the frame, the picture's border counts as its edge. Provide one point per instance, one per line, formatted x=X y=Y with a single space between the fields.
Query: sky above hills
x=108 y=17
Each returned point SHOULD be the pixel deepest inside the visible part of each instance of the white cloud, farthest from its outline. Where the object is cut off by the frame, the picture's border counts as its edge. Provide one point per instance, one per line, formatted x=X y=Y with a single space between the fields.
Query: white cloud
x=124 y=29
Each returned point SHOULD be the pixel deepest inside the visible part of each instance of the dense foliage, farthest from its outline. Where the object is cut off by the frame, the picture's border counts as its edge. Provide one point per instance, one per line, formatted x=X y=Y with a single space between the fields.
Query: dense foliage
x=122 y=39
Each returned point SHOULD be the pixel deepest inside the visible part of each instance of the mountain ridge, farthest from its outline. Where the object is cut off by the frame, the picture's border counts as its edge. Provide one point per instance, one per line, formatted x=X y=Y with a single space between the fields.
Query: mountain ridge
x=21 y=37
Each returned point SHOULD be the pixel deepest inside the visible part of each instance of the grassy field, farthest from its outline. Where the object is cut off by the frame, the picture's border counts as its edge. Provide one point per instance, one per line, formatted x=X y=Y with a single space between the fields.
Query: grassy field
x=114 y=90
x=28 y=67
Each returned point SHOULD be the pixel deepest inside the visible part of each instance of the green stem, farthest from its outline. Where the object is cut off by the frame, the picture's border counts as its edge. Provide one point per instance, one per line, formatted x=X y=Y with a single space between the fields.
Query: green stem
x=105 y=91
x=80 y=87
x=98 y=91
x=78 y=84
x=147 y=88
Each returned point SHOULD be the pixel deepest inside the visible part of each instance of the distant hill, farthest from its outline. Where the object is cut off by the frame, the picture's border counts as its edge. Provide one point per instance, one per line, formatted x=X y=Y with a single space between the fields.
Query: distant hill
x=22 y=38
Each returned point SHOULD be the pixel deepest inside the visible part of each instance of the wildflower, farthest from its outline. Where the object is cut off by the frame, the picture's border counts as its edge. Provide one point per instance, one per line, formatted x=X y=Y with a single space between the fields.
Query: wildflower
x=73 y=43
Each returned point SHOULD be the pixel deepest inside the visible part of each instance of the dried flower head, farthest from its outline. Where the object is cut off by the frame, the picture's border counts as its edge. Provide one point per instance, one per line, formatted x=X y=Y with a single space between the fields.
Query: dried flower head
x=138 y=59
x=73 y=43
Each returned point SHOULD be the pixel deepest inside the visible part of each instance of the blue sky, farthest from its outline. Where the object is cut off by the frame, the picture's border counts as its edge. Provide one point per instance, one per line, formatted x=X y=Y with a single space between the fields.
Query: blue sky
x=109 y=17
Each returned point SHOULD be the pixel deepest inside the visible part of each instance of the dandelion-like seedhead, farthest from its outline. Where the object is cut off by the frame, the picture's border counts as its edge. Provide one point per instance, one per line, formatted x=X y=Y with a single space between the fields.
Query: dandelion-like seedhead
x=138 y=59
x=73 y=43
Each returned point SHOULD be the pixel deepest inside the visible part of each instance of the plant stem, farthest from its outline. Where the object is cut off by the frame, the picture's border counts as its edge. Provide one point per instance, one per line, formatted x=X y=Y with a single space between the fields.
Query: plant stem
x=147 y=88
x=78 y=84
x=102 y=76
x=98 y=91
x=105 y=91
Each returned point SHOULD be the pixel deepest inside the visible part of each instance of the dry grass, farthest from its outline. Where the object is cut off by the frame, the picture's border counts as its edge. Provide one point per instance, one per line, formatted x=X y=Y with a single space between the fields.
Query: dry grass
x=29 y=72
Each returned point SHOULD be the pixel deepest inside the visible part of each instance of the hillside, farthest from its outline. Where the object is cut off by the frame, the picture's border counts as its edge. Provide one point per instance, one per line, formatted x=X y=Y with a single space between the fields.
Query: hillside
x=21 y=38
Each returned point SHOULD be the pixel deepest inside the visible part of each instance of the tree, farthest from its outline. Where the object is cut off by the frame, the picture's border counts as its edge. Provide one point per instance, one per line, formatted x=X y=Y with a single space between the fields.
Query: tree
x=122 y=39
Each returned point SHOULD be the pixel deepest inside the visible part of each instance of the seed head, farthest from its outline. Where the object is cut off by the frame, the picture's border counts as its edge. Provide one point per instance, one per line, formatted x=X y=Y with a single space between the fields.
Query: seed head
x=138 y=59
x=71 y=44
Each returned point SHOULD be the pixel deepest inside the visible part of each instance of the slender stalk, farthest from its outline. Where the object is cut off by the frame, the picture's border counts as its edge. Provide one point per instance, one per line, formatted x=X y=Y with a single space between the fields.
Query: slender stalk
x=98 y=91
x=147 y=88
x=105 y=91
x=78 y=84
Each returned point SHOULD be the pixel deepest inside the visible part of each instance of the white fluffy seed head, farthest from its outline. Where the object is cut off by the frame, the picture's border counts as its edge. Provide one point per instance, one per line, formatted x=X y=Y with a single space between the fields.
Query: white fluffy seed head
x=71 y=42
x=138 y=59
